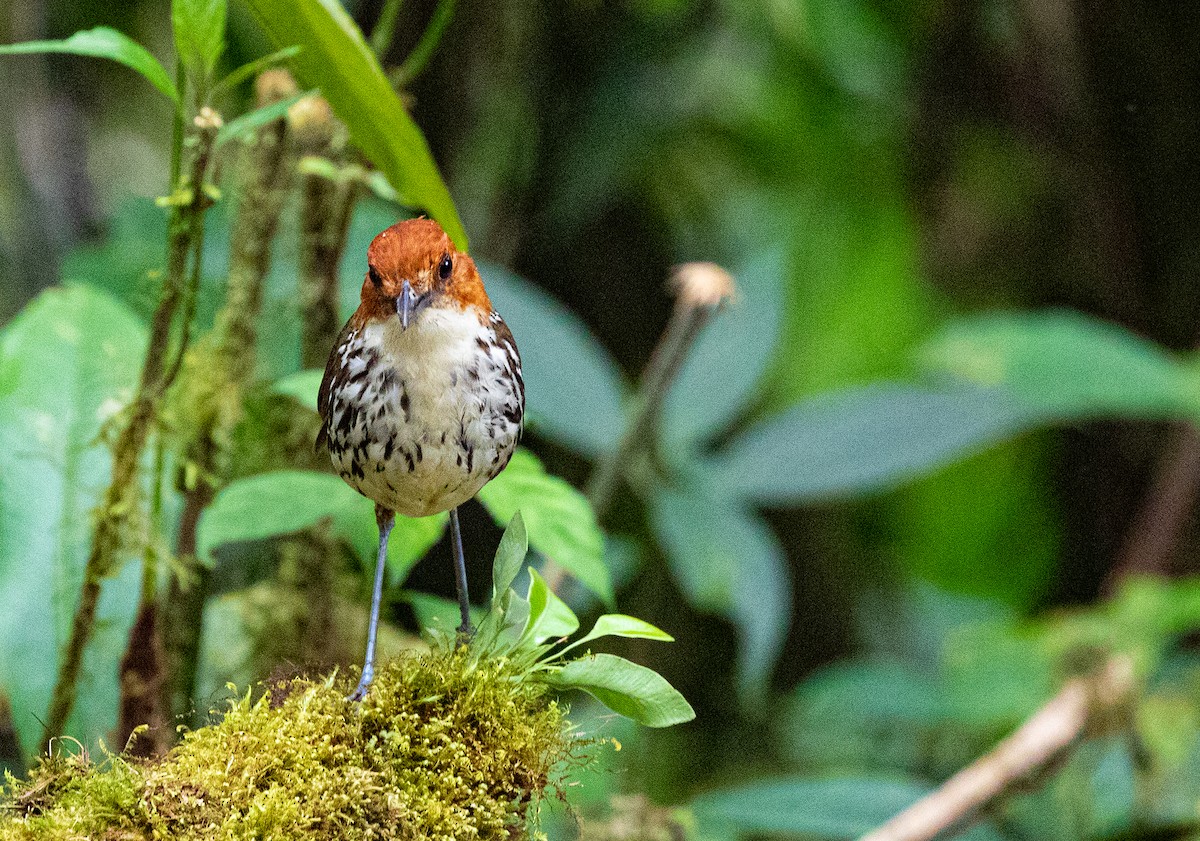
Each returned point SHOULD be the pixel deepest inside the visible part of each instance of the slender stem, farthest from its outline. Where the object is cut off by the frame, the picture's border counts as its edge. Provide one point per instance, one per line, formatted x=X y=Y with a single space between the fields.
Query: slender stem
x=120 y=503
x=385 y=28
x=426 y=46
x=177 y=128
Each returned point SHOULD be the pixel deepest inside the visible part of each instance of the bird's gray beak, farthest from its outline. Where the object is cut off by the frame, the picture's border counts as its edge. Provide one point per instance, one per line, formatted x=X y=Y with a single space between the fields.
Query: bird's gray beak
x=406 y=305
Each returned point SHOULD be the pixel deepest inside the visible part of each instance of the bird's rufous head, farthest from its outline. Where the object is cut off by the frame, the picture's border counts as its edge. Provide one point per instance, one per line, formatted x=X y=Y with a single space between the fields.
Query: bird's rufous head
x=413 y=266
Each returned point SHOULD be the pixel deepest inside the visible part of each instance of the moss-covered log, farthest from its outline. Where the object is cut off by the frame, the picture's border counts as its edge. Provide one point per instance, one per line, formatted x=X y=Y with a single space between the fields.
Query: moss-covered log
x=440 y=749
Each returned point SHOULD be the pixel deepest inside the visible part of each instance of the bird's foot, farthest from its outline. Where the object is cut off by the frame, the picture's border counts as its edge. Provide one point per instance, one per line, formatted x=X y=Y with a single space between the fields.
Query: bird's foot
x=364 y=682
x=466 y=633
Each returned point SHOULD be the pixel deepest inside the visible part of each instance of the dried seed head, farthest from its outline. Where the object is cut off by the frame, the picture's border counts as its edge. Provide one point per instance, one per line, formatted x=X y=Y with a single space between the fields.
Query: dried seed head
x=312 y=123
x=273 y=86
x=702 y=285
x=208 y=120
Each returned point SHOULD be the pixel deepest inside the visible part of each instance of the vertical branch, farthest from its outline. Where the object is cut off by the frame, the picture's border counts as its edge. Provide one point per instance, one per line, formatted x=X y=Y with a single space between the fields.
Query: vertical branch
x=327 y=200
x=218 y=374
x=120 y=500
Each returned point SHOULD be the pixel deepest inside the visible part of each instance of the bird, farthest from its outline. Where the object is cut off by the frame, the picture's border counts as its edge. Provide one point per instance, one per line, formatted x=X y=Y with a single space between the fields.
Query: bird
x=422 y=402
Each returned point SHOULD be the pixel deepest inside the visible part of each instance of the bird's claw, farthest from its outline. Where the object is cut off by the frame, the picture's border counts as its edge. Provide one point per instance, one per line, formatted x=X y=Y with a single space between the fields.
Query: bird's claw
x=360 y=691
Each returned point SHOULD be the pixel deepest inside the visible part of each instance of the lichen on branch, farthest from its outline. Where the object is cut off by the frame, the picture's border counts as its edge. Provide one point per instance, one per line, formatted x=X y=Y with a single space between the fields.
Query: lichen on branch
x=440 y=749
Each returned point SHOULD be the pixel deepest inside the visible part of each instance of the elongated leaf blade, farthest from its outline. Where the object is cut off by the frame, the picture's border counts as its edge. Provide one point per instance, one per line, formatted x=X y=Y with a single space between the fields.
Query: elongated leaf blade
x=1067 y=365
x=865 y=440
x=288 y=501
x=561 y=523
x=259 y=117
x=199 y=32
x=68 y=364
x=104 y=42
x=841 y=807
x=510 y=556
x=549 y=616
x=626 y=688
x=574 y=390
x=727 y=561
x=620 y=625
x=335 y=57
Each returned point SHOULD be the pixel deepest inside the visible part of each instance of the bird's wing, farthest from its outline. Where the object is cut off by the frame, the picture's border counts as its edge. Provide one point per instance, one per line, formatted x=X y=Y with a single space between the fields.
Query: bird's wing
x=331 y=369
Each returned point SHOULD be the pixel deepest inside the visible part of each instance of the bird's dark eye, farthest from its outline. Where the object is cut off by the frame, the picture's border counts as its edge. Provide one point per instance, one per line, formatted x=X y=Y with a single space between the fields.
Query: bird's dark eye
x=445 y=267
x=375 y=278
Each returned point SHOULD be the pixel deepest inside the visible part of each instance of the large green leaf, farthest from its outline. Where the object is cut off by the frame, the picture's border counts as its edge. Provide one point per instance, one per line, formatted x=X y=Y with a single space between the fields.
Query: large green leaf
x=549 y=616
x=724 y=367
x=199 y=32
x=864 y=440
x=335 y=57
x=68 y=363
x=561 y=523
x=573 y=388
x=844 y=807
x=727 y=561
x=627 y=688
x=290 y=500
x=103 y=42
x=1067 y=365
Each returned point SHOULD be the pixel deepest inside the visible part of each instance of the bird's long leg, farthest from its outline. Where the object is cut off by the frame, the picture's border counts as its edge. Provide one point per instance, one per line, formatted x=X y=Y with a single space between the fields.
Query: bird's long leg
x=460 y=575
x=385 y=518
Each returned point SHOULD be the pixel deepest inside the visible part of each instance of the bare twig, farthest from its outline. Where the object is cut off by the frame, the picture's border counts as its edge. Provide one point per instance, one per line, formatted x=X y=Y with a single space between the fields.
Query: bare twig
x=700 y=290
x=1084 y=706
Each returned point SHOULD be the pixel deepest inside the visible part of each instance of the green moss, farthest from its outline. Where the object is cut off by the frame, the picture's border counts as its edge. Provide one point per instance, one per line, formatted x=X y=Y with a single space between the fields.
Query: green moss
x=440 y=749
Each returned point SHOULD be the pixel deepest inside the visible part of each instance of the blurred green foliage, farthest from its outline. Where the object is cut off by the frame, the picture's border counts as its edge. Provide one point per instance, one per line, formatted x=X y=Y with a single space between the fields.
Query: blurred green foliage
x=851 y=516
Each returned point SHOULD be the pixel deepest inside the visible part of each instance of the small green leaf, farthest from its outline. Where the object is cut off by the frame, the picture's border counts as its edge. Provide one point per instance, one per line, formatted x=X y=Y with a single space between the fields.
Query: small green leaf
x=103 y=42
x=336 y=58
x=252 y=120
x=253 y=68
x=510 y=557
x=561 y=523
x=199 y=32
x=287 y=501
x=626 y=688
x=549 y=616
x=1067 y=365
x=620 y=625
x=302 y=385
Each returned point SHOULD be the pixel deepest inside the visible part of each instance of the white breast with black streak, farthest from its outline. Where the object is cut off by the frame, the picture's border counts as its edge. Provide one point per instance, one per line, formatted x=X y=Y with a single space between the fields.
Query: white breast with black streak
x=420 y=419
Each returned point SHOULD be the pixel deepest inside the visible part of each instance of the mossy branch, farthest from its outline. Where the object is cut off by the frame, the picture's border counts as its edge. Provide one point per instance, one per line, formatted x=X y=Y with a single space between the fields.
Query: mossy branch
x=219 y=372
x=120 y=500
x=439 y=749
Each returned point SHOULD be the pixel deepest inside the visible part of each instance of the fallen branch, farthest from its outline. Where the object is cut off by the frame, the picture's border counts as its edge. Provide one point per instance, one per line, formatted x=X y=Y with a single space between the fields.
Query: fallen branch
x=1085 y=705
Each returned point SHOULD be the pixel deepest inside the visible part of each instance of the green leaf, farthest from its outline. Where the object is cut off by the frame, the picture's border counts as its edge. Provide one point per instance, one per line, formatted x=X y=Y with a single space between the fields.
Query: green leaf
x=253 y=68
x=549 y=616
x=252 y=120
x=626 y=688
x=199 y=33
x=727 y=561
x=620 y=625
x=302 y=385
x=1066 y=365
x=724 y=367
x=561 y=523
x=575 y=390
x=844 y=807
x=287 y=501
x=69 y=363
x=336 y=58
x=510 y=557
x=863 y=440
x=103 y=42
